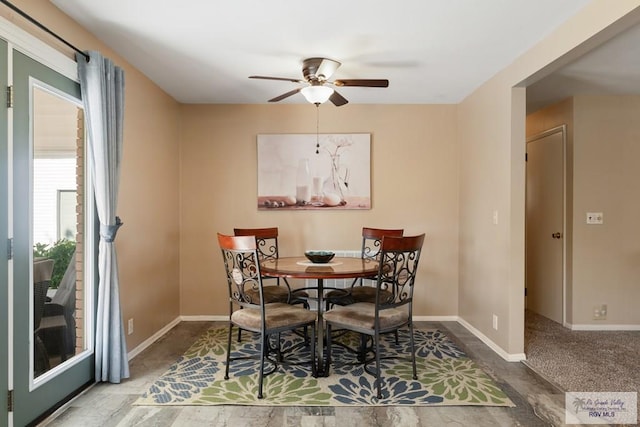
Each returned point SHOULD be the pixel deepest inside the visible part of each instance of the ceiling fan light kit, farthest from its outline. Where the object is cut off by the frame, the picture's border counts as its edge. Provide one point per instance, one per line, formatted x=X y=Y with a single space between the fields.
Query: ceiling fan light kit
x=316 y=73
x=317 y=94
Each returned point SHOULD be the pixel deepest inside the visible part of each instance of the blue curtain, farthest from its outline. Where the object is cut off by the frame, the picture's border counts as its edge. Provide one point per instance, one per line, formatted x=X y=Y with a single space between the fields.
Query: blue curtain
x=102 y=86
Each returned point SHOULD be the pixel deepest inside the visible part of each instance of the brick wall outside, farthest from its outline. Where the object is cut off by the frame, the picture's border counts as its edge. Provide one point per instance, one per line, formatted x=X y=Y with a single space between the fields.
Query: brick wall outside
x=80 y=179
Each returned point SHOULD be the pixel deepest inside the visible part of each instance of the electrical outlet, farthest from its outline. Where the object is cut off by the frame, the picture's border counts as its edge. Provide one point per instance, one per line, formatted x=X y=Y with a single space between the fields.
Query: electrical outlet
x=495 y=322
x=495 y=217
x=130 y=326
x=595 y=218
x=600 y=312
x=603 y=312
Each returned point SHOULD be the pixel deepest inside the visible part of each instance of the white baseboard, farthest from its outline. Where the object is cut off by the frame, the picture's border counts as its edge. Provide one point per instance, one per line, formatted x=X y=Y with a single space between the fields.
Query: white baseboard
x=435 y=318
x=205 y=318
x=515 y=357
x=509 y=357
x=592 y=327
x=153 y=338
x=219 y=318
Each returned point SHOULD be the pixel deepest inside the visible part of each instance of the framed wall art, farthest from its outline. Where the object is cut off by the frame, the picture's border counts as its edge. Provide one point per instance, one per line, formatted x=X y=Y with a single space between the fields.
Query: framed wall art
x=309 y=171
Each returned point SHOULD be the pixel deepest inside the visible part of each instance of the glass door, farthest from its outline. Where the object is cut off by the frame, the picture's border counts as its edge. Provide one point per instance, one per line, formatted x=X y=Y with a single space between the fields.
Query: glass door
x=53 y=303
x=4 y=235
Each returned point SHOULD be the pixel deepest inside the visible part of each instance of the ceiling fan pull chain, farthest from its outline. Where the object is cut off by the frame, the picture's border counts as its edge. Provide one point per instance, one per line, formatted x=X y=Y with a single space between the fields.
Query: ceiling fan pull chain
x=317 y=128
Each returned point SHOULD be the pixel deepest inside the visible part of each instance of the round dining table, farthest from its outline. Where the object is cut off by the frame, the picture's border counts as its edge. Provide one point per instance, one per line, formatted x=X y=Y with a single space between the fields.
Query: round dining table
x=302 y=268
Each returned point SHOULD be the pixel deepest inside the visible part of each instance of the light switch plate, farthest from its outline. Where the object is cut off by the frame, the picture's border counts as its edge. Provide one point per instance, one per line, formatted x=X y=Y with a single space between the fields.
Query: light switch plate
x=595 y=218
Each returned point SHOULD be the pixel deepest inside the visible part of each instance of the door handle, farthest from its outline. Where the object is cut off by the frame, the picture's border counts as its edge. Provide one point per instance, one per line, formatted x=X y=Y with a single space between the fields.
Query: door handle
x=556 y=235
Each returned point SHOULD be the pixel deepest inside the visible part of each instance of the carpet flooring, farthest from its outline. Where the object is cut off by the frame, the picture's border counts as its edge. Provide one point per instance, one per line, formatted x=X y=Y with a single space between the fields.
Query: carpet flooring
x=446 y=376
x=582 y=361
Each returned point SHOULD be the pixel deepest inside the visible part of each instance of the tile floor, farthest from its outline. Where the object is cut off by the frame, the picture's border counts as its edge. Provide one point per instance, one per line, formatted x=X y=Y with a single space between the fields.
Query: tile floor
x=111 y=405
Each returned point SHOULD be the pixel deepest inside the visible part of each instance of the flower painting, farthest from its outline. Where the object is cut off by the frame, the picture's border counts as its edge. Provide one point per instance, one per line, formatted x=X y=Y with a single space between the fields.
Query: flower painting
x=309 y=171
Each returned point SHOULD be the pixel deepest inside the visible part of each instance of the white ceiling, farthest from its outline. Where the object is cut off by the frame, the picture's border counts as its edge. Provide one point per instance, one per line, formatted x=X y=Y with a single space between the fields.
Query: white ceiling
x=613 y=68
x=432 y=51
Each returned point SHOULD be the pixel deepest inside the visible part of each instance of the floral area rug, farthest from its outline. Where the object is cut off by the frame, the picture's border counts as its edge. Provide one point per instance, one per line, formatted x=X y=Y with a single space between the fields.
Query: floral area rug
x=446 y=376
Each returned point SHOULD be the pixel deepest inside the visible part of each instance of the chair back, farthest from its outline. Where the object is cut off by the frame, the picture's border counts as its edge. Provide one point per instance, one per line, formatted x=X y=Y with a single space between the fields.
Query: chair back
x=66 y=293
x=42 y=269
x=371 y=239
x=266 y=240
x=42 y=272
x=242 y=266
x=399 y=258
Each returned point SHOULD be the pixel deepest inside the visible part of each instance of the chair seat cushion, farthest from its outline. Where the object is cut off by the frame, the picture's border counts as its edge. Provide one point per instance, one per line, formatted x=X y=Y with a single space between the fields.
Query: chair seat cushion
x=368 y=294
x=278 y=315
x=361 y=317
x=299 y=293
x=52 y=322
x=271 y=293
x=339 y=297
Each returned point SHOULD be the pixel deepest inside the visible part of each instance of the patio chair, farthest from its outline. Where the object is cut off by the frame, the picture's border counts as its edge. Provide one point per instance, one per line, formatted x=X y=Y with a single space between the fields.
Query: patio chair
x=58 y=326
x=251 y=312
x=42 y=272
x=392 y=306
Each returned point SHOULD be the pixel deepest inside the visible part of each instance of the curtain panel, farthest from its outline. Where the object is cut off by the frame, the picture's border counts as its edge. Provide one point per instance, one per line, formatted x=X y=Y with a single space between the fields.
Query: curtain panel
x=102 y=87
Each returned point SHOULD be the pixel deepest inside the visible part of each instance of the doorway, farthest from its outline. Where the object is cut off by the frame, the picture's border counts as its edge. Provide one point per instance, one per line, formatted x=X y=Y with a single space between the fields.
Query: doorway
x=545 y=224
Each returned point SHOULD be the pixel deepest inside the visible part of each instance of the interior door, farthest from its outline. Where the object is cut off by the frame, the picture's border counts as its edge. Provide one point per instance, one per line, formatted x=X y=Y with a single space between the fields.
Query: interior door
x=545 y=224
x=52 y=351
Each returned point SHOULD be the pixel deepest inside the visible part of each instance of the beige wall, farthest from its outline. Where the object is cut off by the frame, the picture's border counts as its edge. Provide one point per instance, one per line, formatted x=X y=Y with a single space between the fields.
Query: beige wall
x=606 y=259
x=413 y=181
x=491 y=126
x=147 y=245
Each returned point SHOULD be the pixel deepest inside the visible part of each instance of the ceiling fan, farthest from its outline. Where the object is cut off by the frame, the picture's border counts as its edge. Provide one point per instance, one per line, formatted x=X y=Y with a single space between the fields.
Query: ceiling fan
x=316 y=72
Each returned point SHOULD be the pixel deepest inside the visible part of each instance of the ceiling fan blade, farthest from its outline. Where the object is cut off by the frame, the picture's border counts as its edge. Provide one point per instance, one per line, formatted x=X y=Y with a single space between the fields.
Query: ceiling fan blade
x=285 y=95
x=337 y=99
x=285 y=79
x=362 y=82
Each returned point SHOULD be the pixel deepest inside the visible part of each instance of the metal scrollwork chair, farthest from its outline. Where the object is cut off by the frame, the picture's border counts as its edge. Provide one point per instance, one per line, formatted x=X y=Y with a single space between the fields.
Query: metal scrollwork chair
x=371 y=246
x=267 y=246
x=361 y=291
x=392 y=305
x=251 y=312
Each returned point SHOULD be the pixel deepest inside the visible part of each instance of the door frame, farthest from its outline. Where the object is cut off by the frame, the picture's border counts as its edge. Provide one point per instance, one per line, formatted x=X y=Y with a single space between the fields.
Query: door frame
x=563 y=130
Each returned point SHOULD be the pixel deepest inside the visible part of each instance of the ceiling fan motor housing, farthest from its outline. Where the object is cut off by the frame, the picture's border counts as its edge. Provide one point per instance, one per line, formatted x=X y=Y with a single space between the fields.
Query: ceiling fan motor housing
x=318 y=69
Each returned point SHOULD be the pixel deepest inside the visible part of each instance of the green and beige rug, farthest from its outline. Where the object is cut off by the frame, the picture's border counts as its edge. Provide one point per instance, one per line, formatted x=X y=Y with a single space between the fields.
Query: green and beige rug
x=446 y=376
